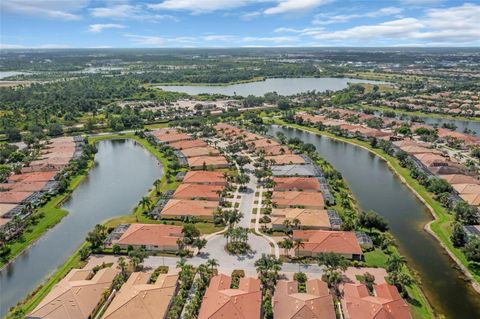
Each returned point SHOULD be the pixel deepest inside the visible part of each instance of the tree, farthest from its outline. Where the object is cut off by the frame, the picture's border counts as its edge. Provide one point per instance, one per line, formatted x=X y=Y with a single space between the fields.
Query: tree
x=145 y=203
x=157 y=185
x=286 y=244
x=438 y=186
x=122 y=265
x=13 y=134
x=212 y=263
x=97 y=236
x=190 y=233
x=85 y=253
x=369 y=281
x=199 y=243
x=333 y=261
x=137 y=256
x=372 y=220
x=465 y=213
x=458 y=236
x=472 y=250
x=395 y=263
x=55 y=129
x=297 y=244
x=116 y=249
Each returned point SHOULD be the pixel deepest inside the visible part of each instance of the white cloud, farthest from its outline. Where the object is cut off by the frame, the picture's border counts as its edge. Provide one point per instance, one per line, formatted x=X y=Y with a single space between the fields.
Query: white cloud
x=202 y=6
x=288 y=6
x=160 y=41
x=219 y=37
x=53 y=9
x=100 y=27
x=128 y=12
x=341 y=18
x=446 y=26
x=41 y=46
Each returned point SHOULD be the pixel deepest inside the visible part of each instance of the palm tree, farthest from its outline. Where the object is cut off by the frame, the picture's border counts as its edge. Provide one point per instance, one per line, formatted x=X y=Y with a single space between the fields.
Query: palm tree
x=122 y=265
x=297 y=244
x=157 y=184
x=286 y=244
x=296 y=222
x=395 y=263
x=145 y=203
x=181 y=263
x=212 y=263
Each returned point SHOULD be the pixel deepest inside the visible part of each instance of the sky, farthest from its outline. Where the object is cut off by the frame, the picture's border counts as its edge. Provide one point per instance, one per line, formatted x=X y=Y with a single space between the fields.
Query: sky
x=237 y=23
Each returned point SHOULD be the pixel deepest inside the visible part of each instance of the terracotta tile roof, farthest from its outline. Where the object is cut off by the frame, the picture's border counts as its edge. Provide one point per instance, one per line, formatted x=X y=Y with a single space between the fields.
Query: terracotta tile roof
x=386 y=304
x=150 y=234
x=222 y=302
x=215 y=161
x=182 y=145
x=296 y=183
x=12 y=197
x=414 y=149
x=472 y=199
x=307 y=217
x=33 y=177
x=304 y=199
x=318 y=241
x=460 y=179
x=286 y=159
x=75 y=297
x=200 y=151
x=316 y=303
x=173 y=137
x=467 y=188
x=195 y=191
x=185 y=207
x=265 y=142
x=274 y=150
x=5 y=208
x=204 y=177
x=164 y=131
x=142 y=300
x=429 y=159
x=24 y=186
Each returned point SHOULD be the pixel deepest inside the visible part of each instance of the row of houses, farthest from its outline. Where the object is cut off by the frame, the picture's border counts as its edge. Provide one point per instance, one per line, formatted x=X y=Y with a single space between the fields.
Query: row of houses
x=199 y=193
x=80 y=295
x=191 y=152
x=301 y=195
x=37 y=177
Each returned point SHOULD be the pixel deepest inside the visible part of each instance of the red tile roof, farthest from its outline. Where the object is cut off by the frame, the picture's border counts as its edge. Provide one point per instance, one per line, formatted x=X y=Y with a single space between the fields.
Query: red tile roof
x=182 y=145
x=286 y=159
x=195 y=191
x=304 y=199
x=215 y=161
x=296 y=183
x=204 y=177
x=186 y=207
x=318 y=241
x=385 y=304
x=200 y=151
x=222 y=302
x=33 y=177
x=12 y=197
x=316 y=303
x=150 y=234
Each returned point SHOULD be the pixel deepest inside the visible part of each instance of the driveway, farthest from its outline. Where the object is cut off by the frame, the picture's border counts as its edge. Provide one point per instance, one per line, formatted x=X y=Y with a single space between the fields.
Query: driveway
x=246 y=204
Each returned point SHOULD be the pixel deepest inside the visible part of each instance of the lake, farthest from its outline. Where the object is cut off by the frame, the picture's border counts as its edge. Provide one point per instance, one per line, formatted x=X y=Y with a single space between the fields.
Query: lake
x=124 y=171
x=377 y=188
x=287 y=86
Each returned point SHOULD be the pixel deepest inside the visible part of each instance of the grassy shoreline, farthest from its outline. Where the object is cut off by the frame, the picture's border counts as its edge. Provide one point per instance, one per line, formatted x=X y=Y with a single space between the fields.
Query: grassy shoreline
x=440 y=227
x=53 y=214
x=425 y=309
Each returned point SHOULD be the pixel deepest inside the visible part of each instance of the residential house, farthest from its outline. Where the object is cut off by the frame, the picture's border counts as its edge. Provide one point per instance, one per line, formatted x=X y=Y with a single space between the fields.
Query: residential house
x=222 y=301
x=153 y=237
x=306 y=184
x=321 y=241
x=197 y=191
x=308 y=218
x=179 y=208
x=309 y=200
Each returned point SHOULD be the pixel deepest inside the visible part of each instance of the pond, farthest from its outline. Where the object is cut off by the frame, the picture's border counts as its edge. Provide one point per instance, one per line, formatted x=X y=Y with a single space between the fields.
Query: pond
x=283 y=86
x=376 y=188
x=124 y=171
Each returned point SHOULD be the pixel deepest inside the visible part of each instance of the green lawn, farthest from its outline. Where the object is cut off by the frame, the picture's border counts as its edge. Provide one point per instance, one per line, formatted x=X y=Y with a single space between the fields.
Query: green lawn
x=375 y=258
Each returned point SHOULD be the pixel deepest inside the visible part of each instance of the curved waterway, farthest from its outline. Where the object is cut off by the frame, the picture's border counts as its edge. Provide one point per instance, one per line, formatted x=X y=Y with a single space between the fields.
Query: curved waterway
x=377 y=188
x=123 y=173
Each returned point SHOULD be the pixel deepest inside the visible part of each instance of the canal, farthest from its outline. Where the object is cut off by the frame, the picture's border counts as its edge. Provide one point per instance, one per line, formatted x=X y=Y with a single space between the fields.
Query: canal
x=376 y=188
x=123 y=173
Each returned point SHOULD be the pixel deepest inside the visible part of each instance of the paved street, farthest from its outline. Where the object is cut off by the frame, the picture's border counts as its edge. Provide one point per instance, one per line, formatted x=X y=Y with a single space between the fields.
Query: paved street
x=246 y=204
